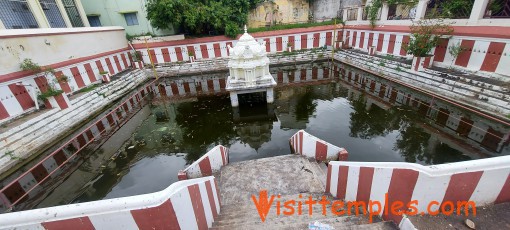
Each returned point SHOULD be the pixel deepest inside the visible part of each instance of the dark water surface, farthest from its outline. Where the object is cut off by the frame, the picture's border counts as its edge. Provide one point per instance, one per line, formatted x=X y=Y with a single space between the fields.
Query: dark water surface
x=168 y=134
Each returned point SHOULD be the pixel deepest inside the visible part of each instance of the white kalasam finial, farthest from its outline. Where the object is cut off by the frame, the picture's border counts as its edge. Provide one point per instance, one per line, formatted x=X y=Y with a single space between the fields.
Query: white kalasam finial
x=245 y=29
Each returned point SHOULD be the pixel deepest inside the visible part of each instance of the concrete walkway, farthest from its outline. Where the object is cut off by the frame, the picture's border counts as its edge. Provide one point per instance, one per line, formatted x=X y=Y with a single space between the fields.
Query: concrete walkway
x=288 y=178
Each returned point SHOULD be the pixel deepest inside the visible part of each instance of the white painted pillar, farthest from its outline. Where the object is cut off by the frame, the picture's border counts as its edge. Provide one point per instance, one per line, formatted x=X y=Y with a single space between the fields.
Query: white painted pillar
x=63 y=12
x=83 y=15
x=360 y=14
x=269 y=95
x=344 y=15
x=38 y=12
x=384 y=11
x=478 y=10
x=233 y=99
x=421 y=9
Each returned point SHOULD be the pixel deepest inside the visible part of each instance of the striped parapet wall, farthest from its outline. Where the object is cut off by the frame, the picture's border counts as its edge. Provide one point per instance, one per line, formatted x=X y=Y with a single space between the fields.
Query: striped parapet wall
x=190 y=204
x=208 y=164
x=484 y=182
x=308 y=145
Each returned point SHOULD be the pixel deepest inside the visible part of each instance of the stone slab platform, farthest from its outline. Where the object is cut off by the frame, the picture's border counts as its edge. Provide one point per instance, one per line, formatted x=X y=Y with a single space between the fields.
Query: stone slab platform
x=285 y=175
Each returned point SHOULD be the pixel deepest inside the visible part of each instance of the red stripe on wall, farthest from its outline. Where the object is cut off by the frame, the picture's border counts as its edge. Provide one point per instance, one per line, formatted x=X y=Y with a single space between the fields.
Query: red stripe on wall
x=42 y=83
x=99 y=66
x=210 y=85
x=82 y=223
x=380 y=42
x=217 y=50
x=198 y=206
x=370 y=39
x=89 y=133
x=300 y=142
x=321 y=151
x=39 y=172
x=205 y=167
x=314 y=72
x=268 y=45
x=175 y=90
x=347 y=39
x=3 y=112
x=279 y=44
x=316 y=39
x=178 y=53
x=279 y=76
x=401 y=189
x=123 y=57
x=504 y=194
x=328 y=179
x=77 y=77
x=391 y=43
x=100 y=126
x=492 y=57
x=22 y=96
x=440 y=50
x=405 y=40
x=152 y=57
x=304 y=41
x=362 y=40
x=186 y=87
x=117 y=62
x=462 y=186
x=366 y=175
x=292 y=42
x=303 y=75
x=341 y=188
x=90 y=72
x=166 y=55
x=354 y=37
x=329 y=38
x=463 y=58
x=210 y=195
x=130 y=58
x=223 y=83
x=61 y=101
x=109 y=65
x=204 y=51
x=159 y=217
x=222 y=150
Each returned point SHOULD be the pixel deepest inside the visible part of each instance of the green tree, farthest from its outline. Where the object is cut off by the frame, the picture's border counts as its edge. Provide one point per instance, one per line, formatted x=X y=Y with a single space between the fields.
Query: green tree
x=198 y=17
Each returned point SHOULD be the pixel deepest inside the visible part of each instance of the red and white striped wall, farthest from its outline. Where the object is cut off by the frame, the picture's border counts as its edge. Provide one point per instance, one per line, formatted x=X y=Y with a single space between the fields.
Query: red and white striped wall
x=16 y=95
x=189 y=204
x=484 y=181
x=209 y=163
x=481 y=54
x=25 y=186
x=310 y=146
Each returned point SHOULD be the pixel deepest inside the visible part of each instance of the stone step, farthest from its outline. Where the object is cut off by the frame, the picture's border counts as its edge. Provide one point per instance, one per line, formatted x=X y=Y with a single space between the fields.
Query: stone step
x=337 y=225
x=251 y=206
x=282 y=220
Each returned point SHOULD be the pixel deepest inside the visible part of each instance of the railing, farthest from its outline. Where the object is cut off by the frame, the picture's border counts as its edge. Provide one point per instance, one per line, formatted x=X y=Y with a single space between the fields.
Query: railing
x=449 y=9
x=498 y=9
x=482 y=182
x=401 y=12
x=209 y=163
x=310 y=146
x=365 y=14
x=190 y=204
x=24 y=187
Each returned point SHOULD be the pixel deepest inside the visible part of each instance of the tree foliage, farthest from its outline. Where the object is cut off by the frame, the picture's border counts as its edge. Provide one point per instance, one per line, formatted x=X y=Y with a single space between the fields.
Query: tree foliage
x=199 y=17
x=425 y=36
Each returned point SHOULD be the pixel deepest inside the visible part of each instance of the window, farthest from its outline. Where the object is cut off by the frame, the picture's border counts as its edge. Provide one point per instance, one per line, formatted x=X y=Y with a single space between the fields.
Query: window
x=131 y=19
x=94 y=21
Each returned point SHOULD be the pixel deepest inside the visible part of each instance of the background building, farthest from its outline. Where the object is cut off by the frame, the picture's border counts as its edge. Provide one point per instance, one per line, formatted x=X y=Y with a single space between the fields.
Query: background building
x=132 y=15
x=24 y=14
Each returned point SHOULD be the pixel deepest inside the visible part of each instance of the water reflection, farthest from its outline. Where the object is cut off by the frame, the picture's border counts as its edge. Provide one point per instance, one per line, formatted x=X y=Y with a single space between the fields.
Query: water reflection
x=173 y=133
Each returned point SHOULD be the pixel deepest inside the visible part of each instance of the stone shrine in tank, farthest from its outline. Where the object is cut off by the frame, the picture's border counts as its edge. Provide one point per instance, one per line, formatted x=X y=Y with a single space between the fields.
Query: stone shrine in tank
x=249 y=69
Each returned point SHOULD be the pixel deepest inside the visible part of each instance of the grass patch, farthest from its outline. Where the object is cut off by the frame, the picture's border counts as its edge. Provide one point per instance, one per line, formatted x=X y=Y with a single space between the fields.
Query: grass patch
x=292 y=26
x=88 y=88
